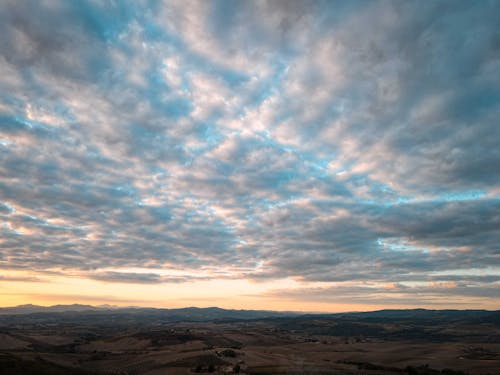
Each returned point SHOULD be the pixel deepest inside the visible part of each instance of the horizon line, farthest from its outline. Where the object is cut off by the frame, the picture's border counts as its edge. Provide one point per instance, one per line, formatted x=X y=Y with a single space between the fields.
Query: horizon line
x=117 y=307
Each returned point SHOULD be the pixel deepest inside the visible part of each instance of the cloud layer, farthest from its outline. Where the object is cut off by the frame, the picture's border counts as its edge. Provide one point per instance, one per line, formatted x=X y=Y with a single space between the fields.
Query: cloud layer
x=353 y=144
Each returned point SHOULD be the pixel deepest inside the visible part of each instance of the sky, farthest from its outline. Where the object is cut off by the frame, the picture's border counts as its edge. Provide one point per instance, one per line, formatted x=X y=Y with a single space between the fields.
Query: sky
x=286 y=155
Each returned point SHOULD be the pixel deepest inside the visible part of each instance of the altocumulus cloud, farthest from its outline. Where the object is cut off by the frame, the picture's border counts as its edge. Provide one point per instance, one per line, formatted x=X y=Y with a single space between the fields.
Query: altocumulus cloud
x=338 y=142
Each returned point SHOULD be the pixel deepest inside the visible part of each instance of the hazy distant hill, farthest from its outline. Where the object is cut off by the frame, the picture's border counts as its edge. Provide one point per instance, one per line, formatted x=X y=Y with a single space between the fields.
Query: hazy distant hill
x=144 y=315
x=187 y=313
x=30 y=309
x=417 y=314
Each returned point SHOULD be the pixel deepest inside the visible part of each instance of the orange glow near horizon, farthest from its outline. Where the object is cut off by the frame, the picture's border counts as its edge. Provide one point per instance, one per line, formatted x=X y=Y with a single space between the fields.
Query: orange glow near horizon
x=17 y=288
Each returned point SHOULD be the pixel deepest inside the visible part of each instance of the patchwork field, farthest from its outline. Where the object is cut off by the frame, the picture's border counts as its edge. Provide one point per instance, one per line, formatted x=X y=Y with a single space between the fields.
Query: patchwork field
x=277 y=345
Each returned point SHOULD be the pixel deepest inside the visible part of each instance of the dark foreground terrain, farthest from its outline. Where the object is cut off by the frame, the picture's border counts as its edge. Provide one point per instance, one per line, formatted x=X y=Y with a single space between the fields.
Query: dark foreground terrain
x=89 y=340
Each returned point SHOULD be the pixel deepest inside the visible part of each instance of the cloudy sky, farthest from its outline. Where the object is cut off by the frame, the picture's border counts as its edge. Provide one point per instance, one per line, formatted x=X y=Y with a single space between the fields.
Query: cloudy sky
x=292 y=155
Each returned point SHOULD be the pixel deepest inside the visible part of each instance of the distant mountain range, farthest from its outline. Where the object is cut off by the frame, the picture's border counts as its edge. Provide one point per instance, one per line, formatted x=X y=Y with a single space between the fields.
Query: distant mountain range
x=187 y=313
x=29 y=309
x=216 y=313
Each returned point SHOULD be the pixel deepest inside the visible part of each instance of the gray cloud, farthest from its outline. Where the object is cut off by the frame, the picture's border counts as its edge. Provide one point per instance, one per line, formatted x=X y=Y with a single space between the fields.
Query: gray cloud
x=20 y=278
x=393 y=294
x=138 y=278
